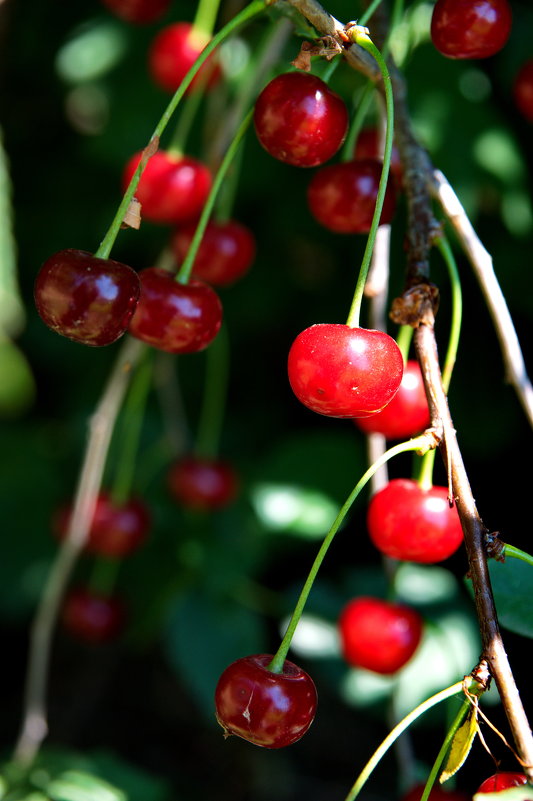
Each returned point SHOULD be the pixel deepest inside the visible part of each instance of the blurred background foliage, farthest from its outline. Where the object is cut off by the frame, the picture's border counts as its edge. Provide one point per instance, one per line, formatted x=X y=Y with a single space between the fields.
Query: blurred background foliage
x=135 y=718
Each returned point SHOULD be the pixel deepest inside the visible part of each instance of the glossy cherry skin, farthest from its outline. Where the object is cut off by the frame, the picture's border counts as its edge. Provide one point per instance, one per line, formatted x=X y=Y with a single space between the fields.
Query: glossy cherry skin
x=341 y=371
x=299 y=120
x=378 y=635
x=116 y=530
x=268 y=709
x=407 y=414
x=225 y=254
x=368 y=146
x=412 y=524
x=92 y=618
x=175 y=317
x=437 y=793
x=84 y=298
x=172 y=189
x=139 y=12
x=470 y=28
x=523 y=90
x=173 y=52
x=204 y=484
x=342 y=197
x=501 y=781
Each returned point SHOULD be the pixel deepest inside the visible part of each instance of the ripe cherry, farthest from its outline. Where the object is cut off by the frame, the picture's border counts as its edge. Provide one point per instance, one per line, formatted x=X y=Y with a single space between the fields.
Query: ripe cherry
x=299 y=120
x=413 y=524
x=341 y=371
x=407 y=414
x=92 y=618
x=137 y=11
x=368 y=146
x=173 y=52
x=268 y=709
x=378 y=635
x=501 y=781
x=117 y=529
x=437 y=793
x=466 y=29
x=226 y=252
x=342 y=197
x=523 y=89
x=175 y=317
x=85 y=298
x=172 y=188
x=206 y=484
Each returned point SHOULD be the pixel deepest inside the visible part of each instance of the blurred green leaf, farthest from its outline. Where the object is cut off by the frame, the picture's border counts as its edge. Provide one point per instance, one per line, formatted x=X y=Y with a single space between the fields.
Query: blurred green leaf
x=512 y=585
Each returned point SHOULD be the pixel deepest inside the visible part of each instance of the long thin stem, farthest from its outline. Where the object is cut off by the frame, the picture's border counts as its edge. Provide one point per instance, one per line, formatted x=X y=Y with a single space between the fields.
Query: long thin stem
x=214 y=399
x=420 y=443
x=516 y=553
x=445 y=747
x=34 y=724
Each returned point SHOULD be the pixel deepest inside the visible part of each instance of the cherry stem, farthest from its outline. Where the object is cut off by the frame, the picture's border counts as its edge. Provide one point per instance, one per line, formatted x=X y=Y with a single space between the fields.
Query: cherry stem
x=404 y=339
x=450 y=734
x=360 y=37
x=365 y=98
x=404 y=724
x=516 y=553
x=255 y=8
x=190 y=108
x=457 y=310
x=420 y=443
x=215 y=389
x=185 y=270
x=205 y=17
x=365 y=16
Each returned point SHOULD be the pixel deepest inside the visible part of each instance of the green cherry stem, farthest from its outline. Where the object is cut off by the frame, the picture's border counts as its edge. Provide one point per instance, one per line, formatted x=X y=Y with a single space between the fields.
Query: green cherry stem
x=365 y=16
x=184 y=271
x=252 y=10
x=205 y=16
x=360 y=37
x=214 y=398
x=363 y=105
x=450 y=734
x=417 y=444
x=516 y=553
x=404 y=724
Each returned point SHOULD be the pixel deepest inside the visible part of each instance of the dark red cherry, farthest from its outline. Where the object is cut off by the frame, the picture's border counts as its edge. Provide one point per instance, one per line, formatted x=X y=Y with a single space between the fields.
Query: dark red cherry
x=437 y=793
x=299 y=120
x=117 y=529
x=206 y=484
x=523 y=89
x=407 y=414
x=268 y=709
x=92 y=618
x=368 y=146
x=413 y=524
x=172 y=188
x=84 y=298
x=341 y=371
x=502 y=781
x=226 y=252
x=175 y=317
x=173 y=52
x=342 y=197
x=378 y=635
x=470 y=28
x=137 y=11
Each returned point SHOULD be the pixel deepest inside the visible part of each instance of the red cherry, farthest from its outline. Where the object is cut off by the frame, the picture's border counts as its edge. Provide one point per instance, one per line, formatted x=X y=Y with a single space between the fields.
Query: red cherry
x=341 y=371
x=92 y=618
x=437 y=793
x=268 y=709
x=342 y=197
x=172 y=188
x=407 y=414
x=137 y=11
x=413 y=524
x=470 y=28
x=84 y=298
x=368 y=146
x=206 y=484
x=299 y=120
x=501 y=781
x=175 y=317
x=378 y=635
x=523 y=89
x=173 y=52
x=116 y=530
x=226 y=252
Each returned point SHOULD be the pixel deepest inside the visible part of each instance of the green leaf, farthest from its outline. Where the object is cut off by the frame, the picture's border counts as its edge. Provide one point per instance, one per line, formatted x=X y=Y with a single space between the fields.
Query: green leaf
x=512 y=585
x=461 y=745
x=76 y=785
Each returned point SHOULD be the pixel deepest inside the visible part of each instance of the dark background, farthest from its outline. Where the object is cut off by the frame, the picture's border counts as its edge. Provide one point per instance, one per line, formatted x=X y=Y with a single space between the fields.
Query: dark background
x=144 y=703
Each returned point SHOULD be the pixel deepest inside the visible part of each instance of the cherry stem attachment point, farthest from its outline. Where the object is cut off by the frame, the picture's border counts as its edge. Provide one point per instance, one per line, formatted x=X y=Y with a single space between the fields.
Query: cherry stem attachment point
x=516 y=553
x=420 y=443
x=359 y=35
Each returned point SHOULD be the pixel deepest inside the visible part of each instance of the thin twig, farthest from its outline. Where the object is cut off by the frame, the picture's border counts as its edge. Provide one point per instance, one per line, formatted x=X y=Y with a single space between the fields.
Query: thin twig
x=34 y=722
